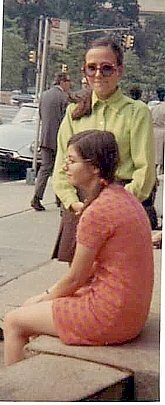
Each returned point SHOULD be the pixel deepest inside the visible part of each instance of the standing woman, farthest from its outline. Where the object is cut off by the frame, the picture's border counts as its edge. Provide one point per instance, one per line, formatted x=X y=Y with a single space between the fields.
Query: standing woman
x=106 y=108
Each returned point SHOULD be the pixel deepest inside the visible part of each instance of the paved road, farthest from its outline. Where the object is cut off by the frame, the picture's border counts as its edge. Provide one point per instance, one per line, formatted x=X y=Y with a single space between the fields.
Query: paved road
x=7 y=112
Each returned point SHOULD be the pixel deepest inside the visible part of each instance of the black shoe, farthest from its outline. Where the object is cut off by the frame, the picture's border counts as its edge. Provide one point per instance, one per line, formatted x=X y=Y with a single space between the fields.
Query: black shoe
x=36 y=204
x=1 y=334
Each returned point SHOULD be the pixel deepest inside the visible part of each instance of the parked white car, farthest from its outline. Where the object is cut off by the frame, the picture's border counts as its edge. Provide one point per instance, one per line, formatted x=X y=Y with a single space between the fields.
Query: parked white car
x=17 y=138
x=19 y=99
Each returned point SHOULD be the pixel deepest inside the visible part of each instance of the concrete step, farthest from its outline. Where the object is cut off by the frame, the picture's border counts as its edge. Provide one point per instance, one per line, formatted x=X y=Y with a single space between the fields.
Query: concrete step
x=141 y=356
x=57 y=378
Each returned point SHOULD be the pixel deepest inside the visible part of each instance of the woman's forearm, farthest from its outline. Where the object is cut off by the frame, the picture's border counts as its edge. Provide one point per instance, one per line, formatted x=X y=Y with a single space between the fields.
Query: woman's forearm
x=64 y=287
x=78 y=275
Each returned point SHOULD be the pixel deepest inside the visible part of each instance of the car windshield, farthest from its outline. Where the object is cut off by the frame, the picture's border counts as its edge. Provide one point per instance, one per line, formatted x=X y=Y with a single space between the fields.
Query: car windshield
x=26 y=114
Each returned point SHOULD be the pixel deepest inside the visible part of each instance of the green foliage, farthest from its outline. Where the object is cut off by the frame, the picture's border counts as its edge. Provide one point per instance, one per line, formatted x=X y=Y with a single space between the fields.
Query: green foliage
x=144 y=65
x=126 y=9
x=132 y=72
x=13 y=60
x=154 y=60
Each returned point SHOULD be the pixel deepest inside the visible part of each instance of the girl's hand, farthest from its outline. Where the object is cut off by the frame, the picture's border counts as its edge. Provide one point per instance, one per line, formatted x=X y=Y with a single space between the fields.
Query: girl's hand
x=35 y=299
x=77 y=207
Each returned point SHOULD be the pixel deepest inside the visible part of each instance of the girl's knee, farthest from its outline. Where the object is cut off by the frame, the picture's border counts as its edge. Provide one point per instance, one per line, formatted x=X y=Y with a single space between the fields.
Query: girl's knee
x=11 y=321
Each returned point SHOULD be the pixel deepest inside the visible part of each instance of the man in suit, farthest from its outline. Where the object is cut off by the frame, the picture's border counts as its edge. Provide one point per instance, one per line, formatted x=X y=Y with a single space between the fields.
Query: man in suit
x=52 y=108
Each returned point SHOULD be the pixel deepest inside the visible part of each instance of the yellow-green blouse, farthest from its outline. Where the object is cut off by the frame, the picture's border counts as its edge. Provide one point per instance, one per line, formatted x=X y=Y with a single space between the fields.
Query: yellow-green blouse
x=130 y=121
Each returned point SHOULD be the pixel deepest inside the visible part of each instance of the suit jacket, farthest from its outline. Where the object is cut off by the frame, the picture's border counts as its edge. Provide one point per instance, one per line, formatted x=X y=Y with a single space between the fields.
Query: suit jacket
x=52 y=108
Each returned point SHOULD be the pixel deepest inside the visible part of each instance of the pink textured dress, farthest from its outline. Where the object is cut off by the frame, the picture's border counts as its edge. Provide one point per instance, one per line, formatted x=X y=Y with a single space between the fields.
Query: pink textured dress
x=113 y=306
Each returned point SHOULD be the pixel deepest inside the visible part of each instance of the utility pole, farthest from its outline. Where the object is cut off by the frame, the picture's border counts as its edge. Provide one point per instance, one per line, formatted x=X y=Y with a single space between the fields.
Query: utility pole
x=31 y=172
x=44 y=56
x=1 y=34
x=42 y=86
x=39 y=56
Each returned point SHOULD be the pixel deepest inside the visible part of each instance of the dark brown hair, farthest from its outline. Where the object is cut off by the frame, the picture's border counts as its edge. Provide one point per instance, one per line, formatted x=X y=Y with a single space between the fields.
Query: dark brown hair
x=110 y=43
x=101 y=149
x=61 y=77
x=84 y=107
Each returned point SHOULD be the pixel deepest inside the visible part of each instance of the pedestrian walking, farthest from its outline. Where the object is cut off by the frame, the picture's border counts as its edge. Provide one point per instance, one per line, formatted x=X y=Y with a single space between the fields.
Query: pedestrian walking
x=104 y=298
x=158 y=117
x=106 y=108
x=52 y=108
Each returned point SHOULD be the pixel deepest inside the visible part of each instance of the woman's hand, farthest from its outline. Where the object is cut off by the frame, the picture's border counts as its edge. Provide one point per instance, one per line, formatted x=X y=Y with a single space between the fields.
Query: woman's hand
x=35 y=299
x=77 y=207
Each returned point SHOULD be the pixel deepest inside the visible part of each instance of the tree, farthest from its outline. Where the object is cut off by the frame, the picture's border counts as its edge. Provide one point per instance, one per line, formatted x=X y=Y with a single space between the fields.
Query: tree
x=132 y=71
x=24 y=17
x=153 y=59
x=27 y=16
x=149 y=45
x=13 y=60
x=127 y=9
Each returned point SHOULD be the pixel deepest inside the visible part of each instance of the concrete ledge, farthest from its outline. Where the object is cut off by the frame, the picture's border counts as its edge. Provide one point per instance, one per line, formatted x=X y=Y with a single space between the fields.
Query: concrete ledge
x=53 y=378
x=141 y=356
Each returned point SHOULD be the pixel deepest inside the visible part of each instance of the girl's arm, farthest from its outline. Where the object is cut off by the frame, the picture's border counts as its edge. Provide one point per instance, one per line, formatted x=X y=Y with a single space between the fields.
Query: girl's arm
x=80 y=271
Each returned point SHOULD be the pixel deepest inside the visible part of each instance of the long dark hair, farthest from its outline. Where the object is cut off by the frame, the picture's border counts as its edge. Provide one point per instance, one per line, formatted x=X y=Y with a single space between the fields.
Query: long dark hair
x=84 y=107
x=101 y=149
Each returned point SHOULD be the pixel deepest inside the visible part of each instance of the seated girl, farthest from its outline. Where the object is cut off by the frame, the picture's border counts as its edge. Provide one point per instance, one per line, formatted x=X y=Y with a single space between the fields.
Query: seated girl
x=105 y=296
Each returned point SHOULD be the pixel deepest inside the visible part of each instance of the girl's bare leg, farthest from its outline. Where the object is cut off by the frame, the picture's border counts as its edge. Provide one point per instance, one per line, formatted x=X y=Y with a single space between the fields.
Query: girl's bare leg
x=24 y=322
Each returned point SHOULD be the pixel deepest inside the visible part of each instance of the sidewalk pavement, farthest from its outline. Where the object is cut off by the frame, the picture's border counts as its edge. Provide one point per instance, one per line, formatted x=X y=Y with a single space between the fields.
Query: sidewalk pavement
x=16 y=197
x=27 y=237
x=71 y=366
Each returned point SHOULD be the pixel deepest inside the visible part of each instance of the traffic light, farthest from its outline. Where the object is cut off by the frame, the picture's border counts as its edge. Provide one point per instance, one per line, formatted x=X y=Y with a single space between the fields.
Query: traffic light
x=123 y=40
x=64 y=68
x=129 y=41
x=32 y=56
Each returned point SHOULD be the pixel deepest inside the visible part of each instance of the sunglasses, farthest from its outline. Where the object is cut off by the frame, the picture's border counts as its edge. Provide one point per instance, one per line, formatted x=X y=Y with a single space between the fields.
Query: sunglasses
x=106 y=69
